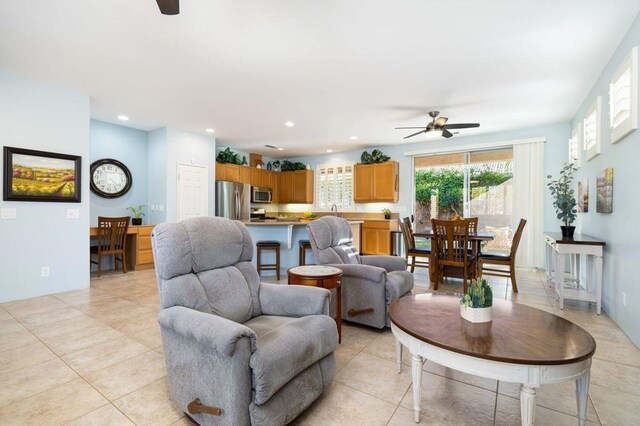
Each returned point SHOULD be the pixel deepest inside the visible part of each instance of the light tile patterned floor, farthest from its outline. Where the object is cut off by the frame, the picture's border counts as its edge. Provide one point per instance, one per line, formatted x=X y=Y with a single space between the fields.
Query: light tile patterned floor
x=94 y=357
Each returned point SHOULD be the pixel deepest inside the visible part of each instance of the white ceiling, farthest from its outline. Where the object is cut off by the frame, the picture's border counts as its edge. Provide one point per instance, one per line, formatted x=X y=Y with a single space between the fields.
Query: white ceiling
x=337 y=68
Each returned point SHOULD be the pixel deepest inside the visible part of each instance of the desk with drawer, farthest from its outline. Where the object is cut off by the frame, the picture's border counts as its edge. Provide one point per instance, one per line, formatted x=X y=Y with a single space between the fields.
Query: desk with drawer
x=139 y=253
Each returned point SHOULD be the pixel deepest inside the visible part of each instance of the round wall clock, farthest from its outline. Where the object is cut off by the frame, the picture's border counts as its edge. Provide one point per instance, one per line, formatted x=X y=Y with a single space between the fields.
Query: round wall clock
x=110 y=178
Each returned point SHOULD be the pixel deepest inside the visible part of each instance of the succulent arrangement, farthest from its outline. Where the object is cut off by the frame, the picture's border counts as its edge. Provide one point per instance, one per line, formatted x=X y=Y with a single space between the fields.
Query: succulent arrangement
x=288 y=166
x=479 y=295
x=376 y=156
x=228 y=156
x=564 y=195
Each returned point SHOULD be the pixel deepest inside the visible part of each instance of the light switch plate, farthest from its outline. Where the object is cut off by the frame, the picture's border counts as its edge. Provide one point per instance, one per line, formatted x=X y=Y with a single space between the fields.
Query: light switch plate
x=8 y=213
x=73 y=213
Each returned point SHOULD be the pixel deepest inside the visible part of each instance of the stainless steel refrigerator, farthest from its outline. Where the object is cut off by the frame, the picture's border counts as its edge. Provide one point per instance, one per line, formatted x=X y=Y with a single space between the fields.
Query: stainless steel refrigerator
x=233 y=200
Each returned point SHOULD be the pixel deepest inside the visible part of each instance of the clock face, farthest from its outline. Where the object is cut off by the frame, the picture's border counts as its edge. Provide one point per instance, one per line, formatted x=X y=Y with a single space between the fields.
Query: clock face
x=110 y=178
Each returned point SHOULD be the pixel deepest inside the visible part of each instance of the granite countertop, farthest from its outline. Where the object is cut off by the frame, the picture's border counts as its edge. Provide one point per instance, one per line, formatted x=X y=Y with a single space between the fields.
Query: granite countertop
x=287 y=223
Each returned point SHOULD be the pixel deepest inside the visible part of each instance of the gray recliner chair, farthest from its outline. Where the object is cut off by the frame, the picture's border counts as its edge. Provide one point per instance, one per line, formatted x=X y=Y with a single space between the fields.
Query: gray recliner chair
x=237 y=351
x=369 y=283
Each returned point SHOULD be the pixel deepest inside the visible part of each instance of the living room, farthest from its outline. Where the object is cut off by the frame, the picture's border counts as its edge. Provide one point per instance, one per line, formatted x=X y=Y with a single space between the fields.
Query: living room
x=335 y=134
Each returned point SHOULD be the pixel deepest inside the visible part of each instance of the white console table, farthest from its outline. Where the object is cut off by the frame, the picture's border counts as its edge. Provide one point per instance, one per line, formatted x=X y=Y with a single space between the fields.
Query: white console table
x=557 y=249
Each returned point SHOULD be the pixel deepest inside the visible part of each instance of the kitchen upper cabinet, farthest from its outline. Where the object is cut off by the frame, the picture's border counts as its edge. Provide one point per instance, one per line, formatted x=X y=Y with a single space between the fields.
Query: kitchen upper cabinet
x=296 y=187
x=376 y=182
x=228 y=172
x=260 y=178
x=245 y=175
x=274 y=184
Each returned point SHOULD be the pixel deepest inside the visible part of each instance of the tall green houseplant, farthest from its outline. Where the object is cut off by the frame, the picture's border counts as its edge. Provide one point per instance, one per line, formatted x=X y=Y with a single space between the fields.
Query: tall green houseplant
x=564 y=199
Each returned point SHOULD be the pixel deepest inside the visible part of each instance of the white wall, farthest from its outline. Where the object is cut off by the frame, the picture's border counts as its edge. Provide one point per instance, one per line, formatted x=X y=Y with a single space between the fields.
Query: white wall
x=157 y=175
x=38 y=116
x=618 y=229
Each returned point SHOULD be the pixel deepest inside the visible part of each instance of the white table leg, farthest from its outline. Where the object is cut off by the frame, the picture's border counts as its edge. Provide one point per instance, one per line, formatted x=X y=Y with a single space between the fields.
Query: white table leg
x=416 y=372
x=399 y=355
x=549 y=268
x=582 y=391
x=598 y=262
x=560 y=278
x=527 y=405
x=578 y=261
x=289 y=236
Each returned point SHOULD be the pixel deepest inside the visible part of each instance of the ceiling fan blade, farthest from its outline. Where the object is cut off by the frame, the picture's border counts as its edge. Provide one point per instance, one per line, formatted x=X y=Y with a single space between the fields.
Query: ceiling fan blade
x=169 y=7
x=460 y=125
x=417 y=133
x=441 y=121
x=398 y=128
x=446 y=133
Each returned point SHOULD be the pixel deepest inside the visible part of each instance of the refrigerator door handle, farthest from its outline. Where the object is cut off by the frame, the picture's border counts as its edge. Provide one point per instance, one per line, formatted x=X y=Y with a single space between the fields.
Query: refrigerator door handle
x=237 y=194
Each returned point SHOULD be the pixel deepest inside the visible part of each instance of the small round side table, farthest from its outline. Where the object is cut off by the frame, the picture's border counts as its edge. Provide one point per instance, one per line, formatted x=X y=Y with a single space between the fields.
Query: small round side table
x=320 y=276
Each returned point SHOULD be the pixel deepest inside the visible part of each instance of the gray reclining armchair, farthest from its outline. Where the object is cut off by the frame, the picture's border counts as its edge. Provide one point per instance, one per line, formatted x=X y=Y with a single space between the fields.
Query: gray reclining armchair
x=369 y=283
x=238 y=352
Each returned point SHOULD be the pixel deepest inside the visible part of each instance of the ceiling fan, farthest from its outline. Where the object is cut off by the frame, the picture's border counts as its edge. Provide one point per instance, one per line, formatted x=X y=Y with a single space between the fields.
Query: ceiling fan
x=169 y=7
x=439 y=125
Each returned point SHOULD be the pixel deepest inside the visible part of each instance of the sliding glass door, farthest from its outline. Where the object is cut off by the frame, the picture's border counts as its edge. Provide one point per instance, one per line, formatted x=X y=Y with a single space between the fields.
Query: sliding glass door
x=470 y=184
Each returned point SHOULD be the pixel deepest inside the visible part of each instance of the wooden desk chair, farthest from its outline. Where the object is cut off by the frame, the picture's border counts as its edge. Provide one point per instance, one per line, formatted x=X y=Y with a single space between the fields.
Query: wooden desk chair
x=410 y=247
x=503 y=259
x=450 y=248
x=112 y=237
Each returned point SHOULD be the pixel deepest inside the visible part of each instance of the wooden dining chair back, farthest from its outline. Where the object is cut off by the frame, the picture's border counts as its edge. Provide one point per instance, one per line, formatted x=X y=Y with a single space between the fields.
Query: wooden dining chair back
x=450 y=247
x=500 y=264
x=410 y=247
x=112 y=240
x=473 y=225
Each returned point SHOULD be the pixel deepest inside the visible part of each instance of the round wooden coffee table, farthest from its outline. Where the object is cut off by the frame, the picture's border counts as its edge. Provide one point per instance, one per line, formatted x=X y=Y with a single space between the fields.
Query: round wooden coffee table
x=520 y=345
x=320 y=276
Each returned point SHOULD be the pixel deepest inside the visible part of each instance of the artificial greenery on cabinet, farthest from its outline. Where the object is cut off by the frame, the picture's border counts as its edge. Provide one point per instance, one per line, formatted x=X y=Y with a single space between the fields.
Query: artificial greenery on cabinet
x=229 y=157
x=375 y=157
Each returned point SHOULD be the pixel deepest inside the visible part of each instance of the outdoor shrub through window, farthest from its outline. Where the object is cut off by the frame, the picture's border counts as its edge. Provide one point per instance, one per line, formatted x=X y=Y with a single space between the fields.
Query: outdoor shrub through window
x=467 y=184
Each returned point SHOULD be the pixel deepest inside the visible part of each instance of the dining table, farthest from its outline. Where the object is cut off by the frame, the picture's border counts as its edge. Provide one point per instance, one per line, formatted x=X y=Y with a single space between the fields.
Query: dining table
x=475 y=239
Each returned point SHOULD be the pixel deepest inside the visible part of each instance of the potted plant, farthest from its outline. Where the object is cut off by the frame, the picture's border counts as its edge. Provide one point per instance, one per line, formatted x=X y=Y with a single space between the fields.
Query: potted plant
x=476 y=305
x=259 y=163
x=564 y=199
x=387 y=213
x=228 y=156
x=375 y=157
x=137 y=213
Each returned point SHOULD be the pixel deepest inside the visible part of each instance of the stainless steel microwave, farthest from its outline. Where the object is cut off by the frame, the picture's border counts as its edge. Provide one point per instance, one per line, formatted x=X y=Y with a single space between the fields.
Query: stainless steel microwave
x=260 y=195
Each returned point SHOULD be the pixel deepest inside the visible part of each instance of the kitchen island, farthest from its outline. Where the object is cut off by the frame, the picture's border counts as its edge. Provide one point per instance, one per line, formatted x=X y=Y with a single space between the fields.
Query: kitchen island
x=288 y=233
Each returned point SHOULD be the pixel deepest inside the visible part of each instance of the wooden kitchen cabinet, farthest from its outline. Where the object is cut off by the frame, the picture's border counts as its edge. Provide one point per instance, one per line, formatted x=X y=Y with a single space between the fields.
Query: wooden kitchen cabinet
x=260 y=178
x=376 y=236
x=274 y=184
x=296 y=187
x=376 y=182
x=245 y=174
x=228 y=172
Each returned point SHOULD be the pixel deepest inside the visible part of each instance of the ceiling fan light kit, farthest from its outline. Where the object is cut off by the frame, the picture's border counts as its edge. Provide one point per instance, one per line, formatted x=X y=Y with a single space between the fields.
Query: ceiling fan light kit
x=169 y=7
x=438 y=127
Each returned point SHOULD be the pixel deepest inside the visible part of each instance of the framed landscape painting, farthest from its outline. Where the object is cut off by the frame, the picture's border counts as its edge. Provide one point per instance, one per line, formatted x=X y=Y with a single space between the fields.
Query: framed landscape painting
x=31 y=175
x=604 y=187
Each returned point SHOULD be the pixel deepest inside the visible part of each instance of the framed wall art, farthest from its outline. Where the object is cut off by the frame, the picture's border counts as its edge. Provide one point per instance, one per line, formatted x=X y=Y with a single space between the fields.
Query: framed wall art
x=31 y=175
x=604 y=186
x=583 y=195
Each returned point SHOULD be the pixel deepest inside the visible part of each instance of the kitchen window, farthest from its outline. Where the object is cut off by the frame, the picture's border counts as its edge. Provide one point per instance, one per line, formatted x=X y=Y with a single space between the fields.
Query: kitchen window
x=591 y=129
x=335 y=186
x=623 y=98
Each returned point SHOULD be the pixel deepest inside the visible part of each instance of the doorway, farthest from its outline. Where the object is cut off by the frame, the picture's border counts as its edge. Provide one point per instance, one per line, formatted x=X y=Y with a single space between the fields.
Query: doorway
x=193 y=191
x=469 y=184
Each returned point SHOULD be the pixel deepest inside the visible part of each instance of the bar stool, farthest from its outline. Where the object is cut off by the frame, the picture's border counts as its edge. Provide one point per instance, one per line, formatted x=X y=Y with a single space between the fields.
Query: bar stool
x=302 y=251
x=268 y=245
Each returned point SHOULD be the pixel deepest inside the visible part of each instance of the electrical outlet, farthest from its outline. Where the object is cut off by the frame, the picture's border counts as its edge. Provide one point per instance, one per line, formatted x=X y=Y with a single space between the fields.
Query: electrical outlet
x=73 y=213
x=7 y=213
x=624 y=299
x=44 y=271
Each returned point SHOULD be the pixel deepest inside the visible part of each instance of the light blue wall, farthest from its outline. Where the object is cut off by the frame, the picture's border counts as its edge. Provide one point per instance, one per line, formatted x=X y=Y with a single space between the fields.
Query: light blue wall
x=618 y=229
x=157 y=175
x=38 y=116
x=128 y=146
x=555 y=155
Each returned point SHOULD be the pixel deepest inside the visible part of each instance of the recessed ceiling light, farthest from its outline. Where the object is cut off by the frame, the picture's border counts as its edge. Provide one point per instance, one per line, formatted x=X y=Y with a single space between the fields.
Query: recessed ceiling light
x=329 y=150
x=289 y=124
x=210 y=130
x=353 y=138
x=280 y=149
x=123 y=117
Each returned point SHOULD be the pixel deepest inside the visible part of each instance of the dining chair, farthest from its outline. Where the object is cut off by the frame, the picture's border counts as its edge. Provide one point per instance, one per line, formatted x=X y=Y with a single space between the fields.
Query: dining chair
x=112 y=236
x=450 y=247
x=410 y=247
x=496 y=258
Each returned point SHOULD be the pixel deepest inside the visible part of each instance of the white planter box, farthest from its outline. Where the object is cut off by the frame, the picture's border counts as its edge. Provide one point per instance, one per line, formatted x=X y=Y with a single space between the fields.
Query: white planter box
x=475 y=314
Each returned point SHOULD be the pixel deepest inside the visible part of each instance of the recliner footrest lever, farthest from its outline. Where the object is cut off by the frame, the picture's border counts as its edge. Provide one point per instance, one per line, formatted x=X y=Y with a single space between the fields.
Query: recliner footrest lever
x=196 y=407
